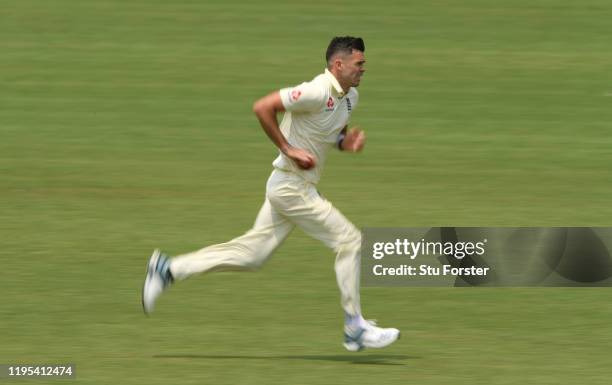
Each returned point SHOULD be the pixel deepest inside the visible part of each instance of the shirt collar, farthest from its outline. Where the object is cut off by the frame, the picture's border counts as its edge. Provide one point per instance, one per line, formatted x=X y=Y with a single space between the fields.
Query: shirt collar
x=334 y=83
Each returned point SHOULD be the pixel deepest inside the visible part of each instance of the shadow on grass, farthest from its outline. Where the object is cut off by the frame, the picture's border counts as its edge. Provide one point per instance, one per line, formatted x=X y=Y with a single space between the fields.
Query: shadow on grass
x=357 y=358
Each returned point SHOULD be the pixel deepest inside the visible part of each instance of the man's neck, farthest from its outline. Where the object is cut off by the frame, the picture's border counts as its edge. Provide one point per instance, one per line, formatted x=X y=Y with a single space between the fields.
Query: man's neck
x=345 y=87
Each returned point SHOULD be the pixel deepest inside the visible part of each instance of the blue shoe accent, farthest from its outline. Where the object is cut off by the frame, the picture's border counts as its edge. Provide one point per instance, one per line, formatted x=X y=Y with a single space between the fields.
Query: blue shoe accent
x=353 y=343
x=163 y=269
x=356 y=338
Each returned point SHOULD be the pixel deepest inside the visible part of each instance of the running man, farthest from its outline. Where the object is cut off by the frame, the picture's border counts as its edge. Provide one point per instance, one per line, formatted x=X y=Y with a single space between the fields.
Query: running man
x=315 y=120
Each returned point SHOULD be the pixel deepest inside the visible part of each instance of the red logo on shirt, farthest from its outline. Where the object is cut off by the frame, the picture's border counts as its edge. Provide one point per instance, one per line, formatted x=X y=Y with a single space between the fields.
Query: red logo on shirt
x=295 y=94
x=330 y=102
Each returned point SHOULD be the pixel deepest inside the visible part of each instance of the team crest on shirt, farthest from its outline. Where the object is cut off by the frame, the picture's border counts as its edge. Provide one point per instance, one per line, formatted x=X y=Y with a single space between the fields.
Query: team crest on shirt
x=295 y=95
x=330 y=102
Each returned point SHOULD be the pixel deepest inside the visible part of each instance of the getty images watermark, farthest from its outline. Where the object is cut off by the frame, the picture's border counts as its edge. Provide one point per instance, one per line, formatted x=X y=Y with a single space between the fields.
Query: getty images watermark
x=486 y=256
x=411 y=249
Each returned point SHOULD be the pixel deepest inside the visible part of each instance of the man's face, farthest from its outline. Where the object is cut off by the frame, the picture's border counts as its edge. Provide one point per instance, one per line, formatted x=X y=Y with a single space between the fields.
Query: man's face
x=353 y=66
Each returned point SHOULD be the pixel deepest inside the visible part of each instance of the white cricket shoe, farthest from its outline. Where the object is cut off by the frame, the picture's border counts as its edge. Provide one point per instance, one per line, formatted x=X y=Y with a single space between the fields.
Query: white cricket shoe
x=157 y=280
x=369 y=335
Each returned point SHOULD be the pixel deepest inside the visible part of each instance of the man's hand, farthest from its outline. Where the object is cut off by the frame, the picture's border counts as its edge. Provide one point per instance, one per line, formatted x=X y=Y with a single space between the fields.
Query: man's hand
x=354 y=140
x=303 y=158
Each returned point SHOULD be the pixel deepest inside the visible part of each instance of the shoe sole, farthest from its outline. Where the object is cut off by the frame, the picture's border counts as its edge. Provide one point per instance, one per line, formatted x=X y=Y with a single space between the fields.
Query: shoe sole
x=150 y=265
x=357 y=347
x=353 y=346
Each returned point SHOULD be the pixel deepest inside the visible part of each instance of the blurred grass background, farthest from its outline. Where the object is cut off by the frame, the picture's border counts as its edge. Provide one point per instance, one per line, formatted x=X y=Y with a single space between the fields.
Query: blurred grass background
x=127 y=125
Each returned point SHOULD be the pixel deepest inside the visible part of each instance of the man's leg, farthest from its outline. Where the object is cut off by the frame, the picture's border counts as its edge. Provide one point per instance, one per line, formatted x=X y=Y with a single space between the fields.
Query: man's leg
x=246 y=252
x=301 y=203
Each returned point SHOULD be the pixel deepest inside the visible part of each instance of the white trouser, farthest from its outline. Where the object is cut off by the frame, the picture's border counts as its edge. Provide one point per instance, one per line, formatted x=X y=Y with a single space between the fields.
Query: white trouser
x=290 y=201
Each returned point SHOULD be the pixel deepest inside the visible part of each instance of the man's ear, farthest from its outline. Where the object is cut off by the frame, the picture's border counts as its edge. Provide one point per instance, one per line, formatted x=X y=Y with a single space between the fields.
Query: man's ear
x=337 y=62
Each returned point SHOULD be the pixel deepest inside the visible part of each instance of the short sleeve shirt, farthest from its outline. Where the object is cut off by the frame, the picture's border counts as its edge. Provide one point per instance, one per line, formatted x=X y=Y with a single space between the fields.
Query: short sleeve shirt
x=316 y=112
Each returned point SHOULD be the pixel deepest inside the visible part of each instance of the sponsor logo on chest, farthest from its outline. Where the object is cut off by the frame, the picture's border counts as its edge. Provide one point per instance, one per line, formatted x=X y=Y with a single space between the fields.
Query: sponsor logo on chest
x=331 y=104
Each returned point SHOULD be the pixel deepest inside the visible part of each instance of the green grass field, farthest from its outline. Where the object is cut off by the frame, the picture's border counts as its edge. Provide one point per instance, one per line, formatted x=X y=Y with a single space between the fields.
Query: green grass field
x=127 y=125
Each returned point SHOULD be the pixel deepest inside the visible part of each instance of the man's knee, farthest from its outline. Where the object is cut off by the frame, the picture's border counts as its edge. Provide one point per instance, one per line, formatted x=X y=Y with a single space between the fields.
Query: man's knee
x=253 y=256
x=260 y=256
x=350 y=240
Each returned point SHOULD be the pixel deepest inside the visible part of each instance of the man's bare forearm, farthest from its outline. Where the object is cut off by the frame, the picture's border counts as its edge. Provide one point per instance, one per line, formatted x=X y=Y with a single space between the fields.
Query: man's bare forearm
x=266 y=110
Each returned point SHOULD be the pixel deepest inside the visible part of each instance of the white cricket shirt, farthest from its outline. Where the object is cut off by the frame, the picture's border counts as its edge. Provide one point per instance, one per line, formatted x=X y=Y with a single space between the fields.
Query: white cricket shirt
x=316 y=112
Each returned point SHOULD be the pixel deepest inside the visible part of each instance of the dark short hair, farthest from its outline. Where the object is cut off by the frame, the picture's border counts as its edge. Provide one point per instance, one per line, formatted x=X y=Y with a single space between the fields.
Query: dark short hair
x=344 y=44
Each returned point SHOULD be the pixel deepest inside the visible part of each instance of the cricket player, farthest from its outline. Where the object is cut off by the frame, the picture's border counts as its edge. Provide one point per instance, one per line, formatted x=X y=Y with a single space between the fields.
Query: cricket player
x=315 y=120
